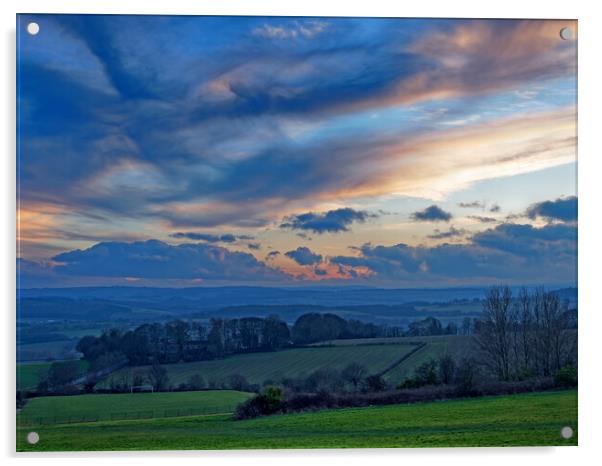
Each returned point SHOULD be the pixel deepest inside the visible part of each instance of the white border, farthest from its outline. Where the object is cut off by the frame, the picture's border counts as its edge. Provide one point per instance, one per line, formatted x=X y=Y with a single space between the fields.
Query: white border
x=590 y=80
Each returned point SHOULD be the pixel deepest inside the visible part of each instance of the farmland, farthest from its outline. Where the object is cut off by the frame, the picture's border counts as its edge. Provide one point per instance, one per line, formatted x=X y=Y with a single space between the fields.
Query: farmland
x=258 y=367
x=515 y=420
x=87 y=408
x=455 y=345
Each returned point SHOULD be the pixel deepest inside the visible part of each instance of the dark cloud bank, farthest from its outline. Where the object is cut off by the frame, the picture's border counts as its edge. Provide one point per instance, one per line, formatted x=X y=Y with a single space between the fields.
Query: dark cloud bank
x=304 y=256
x=156 y=260
x=432 y=213
x=564 y=209
x=508 y=252
x=333 y=221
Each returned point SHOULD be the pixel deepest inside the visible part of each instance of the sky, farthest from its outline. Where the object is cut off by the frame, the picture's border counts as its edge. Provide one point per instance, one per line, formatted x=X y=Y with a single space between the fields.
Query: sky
x=211 y=151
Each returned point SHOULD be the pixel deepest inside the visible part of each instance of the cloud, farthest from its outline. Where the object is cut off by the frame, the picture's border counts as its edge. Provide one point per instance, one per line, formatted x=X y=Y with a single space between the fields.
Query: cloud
x=304 y=256
x=154 y=259
x=471 y=205
x=431 y=214
x=482 y=219
x=510 y=253
x=254 y=246
x=301 y=29
x=528 y=241
x=563 y=209
x=451 y=233
x=333 y=221
x=495 y=208
x=227 y=238
x=157 y=127
x=211 y=238
x=272 y=255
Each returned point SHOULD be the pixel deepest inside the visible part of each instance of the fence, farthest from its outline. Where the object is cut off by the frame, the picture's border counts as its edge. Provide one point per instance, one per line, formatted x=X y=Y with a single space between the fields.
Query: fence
x=125 y=415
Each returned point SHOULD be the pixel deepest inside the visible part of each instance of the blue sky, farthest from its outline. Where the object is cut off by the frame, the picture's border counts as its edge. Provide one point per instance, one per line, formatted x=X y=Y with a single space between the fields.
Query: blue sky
x=157 y=150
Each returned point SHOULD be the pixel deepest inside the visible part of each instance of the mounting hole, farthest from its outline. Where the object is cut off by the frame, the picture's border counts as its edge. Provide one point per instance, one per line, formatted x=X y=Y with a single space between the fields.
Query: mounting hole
x=566 y=33
x=566 y=432
x=33 y=438
x=33 y=28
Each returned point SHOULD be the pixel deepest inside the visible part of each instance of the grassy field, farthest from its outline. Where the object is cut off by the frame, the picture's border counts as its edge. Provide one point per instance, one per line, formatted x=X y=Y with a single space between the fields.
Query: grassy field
x=28 y=375
x=455 y=345
x=258 y=367
x=517 y=420
x=87 y=408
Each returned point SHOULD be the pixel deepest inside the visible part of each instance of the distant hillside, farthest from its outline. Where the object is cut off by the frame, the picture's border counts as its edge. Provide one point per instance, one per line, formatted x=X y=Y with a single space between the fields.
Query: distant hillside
x=363 y=303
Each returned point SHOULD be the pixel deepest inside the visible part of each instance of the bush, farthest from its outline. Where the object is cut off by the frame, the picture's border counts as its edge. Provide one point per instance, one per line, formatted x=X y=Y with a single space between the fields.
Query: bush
x=466 y=377
x=268 y=402
x=238 y=382
x=323 y=379
x=566 y=377
x=426 y=374
x=196 y=382
x=375 y=383
x=447 y=369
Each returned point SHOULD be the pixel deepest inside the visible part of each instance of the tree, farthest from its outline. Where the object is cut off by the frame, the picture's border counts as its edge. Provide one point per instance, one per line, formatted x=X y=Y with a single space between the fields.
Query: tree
x=466 y=326
x=466 y=375
x=158 y=377
x=354 y=373
x=196 y=382
x=375 y=383
x=447 y=368
x=426 y=373
x=524 y=330
x=313 y=327
x=62 y=373
x=216 y=336
x=426 y=327
x=238 y=382
x=275 y=333
x=325 y=379
x=494 y=331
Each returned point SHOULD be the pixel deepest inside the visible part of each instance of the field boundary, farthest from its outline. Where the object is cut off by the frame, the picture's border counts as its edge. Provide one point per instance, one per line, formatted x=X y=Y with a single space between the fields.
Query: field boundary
x=405 y=357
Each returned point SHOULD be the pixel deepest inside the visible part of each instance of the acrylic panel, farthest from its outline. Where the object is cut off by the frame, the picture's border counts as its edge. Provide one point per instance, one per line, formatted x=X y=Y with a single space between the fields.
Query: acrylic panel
x=295 y=232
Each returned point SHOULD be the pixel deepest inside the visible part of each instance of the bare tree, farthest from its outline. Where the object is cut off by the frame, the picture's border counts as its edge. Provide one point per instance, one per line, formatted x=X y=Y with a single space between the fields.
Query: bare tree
x=354 y=373
x=494 y=330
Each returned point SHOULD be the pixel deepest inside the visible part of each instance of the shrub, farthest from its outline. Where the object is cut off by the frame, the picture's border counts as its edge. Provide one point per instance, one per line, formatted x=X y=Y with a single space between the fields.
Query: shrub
x=375 y=383
x=238 y=382
x=566 y=377
x=466 y=377
x=354 y=373
x=196 y=382
x=426 y=373
x=268 y=402
x=323 y=379
x=447 y=369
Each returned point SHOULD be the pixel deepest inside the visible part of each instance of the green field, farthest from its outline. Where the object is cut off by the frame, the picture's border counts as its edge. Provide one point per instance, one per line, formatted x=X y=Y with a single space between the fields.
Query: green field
x=456 y=345
x=258 y=367
x=28 y=375
x=88 y=408
x=516 y=420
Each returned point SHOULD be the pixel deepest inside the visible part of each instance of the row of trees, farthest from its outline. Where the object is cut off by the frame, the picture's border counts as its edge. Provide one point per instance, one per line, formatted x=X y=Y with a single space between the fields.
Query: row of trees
x=315 y=327
x=185 y=341
x=180 y=340
x=530 y=335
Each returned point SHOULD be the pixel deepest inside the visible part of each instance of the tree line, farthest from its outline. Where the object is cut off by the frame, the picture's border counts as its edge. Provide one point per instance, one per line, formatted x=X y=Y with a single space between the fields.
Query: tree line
x=532 y=334
x=185 y=341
